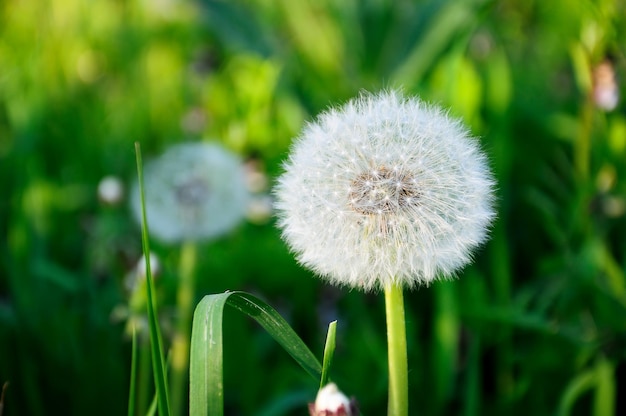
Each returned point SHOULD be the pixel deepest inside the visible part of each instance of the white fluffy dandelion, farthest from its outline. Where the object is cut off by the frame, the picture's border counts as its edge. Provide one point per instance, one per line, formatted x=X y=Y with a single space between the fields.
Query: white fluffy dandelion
x=385 y=190
x=194 y=191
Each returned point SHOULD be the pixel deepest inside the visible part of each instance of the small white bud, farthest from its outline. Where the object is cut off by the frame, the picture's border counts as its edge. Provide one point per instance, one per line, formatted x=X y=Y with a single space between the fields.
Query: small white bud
x=330 y=401
x=605 y=88
x=139 y=272
x=155 y=266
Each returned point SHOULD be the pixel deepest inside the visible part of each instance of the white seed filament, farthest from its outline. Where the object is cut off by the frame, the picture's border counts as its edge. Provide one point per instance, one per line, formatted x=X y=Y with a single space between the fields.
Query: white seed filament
x=383 y=191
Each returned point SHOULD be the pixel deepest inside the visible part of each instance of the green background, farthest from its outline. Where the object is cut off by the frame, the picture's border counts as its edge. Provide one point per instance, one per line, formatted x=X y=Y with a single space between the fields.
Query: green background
x=536 y=326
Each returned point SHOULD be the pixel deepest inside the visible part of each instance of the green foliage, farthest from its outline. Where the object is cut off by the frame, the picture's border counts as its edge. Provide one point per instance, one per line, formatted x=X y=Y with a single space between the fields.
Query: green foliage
x=536 y=326
x=206 y=395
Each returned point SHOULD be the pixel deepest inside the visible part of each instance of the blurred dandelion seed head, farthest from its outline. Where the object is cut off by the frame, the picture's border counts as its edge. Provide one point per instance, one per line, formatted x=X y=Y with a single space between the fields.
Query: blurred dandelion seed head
x=194 y=191
x=385 y=189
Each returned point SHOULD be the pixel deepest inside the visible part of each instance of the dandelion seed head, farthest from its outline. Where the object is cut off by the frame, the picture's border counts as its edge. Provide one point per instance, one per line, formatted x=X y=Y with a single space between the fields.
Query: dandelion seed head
x=413 y=188
x=194 y=191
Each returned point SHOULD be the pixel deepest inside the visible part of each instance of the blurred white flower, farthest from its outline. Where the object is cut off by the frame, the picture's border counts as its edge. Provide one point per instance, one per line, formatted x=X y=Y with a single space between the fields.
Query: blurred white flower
x=385 y=190
x=155 y=266
x=256 y=178
x=194 y=191
x=111 y=190
x=260 y=209
x=330 y=401
x=605 y=88
x=138 y=273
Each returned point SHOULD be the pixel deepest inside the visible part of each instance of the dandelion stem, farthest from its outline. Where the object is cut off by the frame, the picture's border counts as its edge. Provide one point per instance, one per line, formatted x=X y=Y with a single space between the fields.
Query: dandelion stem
x=397 y=355
x=182 y=335
x=583 y=141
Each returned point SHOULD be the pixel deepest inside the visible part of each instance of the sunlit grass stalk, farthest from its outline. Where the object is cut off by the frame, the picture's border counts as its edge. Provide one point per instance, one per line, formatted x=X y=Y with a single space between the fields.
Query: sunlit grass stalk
x=397 y=352
x=581 y=62
x=582 y=147
x=182 y=335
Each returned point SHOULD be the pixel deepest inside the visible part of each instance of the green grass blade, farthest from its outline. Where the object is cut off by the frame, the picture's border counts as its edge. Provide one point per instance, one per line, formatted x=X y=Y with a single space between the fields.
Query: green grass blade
x=133 y=375
x=278 y=328
x=329 y=351
x=156 y=344
x=206 y=361
x=604 y=397
x=576 y=388
x=206 y=390
x=153 y=406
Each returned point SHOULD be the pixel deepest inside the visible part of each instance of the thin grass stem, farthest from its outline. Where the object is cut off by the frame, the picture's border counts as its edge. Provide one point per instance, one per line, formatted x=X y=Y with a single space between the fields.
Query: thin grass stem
x=182 y=336
x=156 y=343
x=133 y=375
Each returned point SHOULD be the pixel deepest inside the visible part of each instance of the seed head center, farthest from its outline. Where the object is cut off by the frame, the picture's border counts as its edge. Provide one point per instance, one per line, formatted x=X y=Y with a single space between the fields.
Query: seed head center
x=383 y=191
x=192 y=192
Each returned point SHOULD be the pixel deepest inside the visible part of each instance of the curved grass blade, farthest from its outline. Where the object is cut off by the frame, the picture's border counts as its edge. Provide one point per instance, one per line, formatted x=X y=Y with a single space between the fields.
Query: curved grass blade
x=156 y=344
x=576 y=388
x=329 y=351
x=604 y=397
x=206 y=395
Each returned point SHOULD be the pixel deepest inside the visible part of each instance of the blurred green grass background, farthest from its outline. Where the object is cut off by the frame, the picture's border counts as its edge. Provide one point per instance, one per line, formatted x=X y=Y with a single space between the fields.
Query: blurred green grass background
x=536 y=326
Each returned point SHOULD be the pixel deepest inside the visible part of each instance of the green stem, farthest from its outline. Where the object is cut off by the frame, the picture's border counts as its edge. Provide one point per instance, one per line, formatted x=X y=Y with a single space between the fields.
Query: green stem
x=156 y=342
x=132 y=396
x=182 y=335
x=396 y=342
x=144 y=377
x=583 y=141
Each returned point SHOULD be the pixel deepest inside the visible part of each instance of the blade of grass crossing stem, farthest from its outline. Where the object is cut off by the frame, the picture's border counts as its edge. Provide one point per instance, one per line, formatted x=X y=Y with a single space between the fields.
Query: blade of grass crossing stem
x=153 y=406
x=604 y=397
x=329 y=351
x=206 y=361
x=156 y=344
x=602 y=378
x=133 y=375
x=576 y=388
